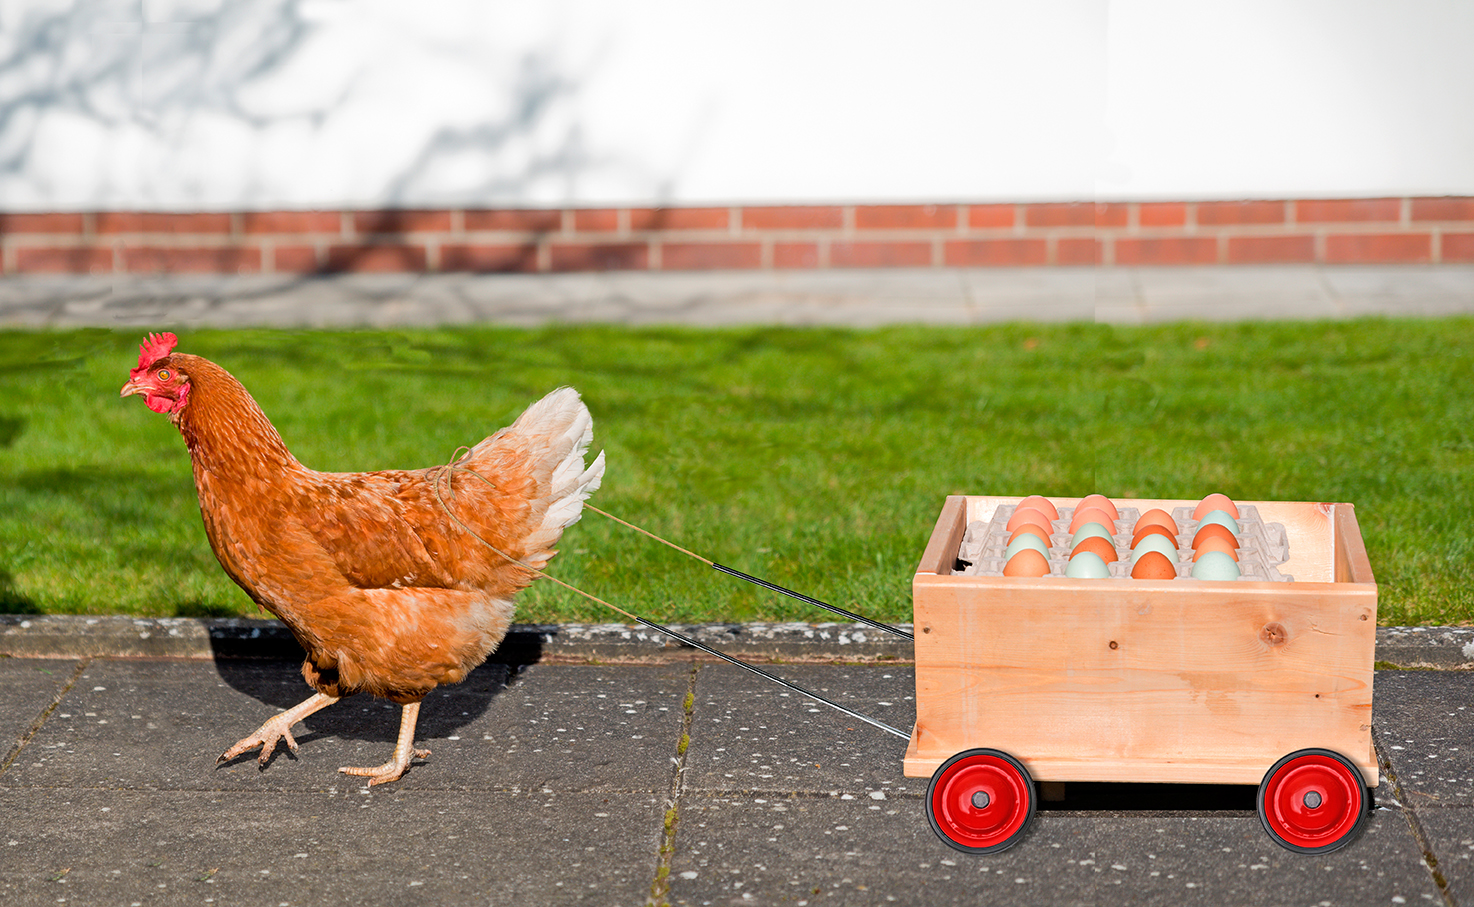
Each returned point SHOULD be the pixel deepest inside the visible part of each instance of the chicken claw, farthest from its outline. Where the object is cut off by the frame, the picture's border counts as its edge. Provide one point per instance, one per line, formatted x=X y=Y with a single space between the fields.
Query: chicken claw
x=277 y=728
x=404 y=749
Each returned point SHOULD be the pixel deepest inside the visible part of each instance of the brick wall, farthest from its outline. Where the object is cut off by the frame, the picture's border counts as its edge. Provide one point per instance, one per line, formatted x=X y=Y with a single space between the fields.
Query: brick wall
x=1330 y=231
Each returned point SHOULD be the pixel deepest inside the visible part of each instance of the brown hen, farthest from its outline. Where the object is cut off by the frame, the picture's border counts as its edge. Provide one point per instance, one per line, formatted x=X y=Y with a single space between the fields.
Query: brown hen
x=393 y=582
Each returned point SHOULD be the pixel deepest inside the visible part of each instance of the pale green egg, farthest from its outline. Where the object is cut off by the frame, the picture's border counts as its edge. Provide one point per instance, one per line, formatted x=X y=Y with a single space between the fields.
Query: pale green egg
x=1155 y=542
x=1215 y=565
x=1026 y=540
x=1090 y=530
x=1087 y=565
x=1222 y=518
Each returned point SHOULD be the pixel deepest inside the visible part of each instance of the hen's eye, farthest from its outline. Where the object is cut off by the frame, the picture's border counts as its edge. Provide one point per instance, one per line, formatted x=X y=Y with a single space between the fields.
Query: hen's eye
x=163 y=374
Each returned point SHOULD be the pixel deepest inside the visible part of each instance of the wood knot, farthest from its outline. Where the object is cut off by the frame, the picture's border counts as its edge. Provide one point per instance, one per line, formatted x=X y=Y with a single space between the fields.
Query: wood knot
x=1115 y=645
x=1274 y=634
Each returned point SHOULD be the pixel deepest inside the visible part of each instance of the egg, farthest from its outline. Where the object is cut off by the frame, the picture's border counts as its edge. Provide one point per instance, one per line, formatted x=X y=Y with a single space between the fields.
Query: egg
x=1087 y=565
x=1025 y=540
x=1033 y=529
x=1085 y=515
x=1099 y=502
x=1042 y=504
x=1154 y=542
x=1215 y=565
x=1087 y=530
x=1222 y=518
x=1156 y=517
x=1214 y=530
x=1027 y=562
x=1215 y=543
x=1153 y=565
x=1104 y=549
x=1216 y=501
x=1153 y=529
x=1033 y=515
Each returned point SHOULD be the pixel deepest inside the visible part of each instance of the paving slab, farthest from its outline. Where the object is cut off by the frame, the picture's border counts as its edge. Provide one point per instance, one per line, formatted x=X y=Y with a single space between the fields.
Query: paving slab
x=362 y=847
x=27 y=689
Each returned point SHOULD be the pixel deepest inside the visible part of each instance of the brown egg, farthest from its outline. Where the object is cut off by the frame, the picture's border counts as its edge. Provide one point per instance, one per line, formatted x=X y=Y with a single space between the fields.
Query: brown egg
x=1098 y=545
x=1100 y=502
x=1214 y=530
x=1215 y=501
x=1156 y=517
x=1152 y=529
x=1042 y=504
x=1027 y=562
x=1152 y=565
x=1214 y=543
x=1038 y=531
x=1085 y=515
x=1029 y=515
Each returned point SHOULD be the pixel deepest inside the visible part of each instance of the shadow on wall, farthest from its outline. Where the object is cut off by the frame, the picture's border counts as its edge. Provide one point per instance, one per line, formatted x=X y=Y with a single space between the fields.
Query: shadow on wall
x=96 y=69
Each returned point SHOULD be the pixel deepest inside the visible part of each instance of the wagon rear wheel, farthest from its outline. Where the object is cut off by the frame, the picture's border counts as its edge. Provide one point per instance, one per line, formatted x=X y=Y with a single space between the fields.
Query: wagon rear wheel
x=980 y=801
x=1313 y=801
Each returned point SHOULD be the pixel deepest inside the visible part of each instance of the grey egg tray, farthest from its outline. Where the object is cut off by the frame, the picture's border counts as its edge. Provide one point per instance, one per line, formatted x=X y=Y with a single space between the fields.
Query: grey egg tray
x=1262 y=546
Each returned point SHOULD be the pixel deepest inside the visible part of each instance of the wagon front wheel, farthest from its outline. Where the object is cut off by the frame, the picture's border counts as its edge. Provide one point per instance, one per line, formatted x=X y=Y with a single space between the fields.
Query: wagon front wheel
x=1313 y=801
x=980 y=801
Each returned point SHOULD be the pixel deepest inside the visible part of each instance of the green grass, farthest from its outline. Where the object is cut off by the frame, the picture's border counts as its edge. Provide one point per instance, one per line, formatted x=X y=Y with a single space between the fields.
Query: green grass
x=817 y=459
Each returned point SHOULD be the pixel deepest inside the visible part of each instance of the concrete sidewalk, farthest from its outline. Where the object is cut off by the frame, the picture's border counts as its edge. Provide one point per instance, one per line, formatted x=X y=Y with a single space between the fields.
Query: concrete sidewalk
x=855 y=298
x=677 y=781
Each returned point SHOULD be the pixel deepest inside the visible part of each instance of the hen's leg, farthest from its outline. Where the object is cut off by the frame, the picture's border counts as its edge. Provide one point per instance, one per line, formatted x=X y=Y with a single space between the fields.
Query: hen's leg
x=278 y=727
x=403 y=750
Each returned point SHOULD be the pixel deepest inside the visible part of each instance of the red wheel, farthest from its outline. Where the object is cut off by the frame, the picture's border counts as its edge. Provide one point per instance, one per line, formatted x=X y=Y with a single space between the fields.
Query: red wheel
x=980 y=801
x=1313 y=801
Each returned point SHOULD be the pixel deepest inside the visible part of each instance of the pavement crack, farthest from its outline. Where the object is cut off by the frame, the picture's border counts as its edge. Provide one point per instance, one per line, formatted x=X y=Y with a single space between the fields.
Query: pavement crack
x=1414 y=823
x=660 y=886
x=41 y=719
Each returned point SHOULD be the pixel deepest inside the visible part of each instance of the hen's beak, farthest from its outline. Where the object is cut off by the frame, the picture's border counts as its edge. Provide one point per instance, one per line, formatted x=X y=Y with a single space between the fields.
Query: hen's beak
x=134 y=386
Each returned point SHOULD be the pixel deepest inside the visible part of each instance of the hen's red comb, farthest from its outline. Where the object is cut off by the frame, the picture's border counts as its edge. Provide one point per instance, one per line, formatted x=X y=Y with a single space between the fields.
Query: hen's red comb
x=156 y=347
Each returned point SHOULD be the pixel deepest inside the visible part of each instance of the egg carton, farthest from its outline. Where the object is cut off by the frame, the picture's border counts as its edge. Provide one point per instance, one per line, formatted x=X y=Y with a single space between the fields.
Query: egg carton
x=1262 y=546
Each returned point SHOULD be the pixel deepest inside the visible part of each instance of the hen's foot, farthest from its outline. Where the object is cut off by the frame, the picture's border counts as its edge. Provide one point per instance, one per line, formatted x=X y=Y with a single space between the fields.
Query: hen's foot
x=392 y=770
x=277 y=728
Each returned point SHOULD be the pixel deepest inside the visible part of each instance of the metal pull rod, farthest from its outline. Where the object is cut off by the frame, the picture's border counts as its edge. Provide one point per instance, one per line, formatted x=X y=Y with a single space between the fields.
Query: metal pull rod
x=679 y=637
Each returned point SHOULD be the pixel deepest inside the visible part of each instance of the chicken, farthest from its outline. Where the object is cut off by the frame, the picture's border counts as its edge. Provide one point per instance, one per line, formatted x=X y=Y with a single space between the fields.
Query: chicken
x=393 y=582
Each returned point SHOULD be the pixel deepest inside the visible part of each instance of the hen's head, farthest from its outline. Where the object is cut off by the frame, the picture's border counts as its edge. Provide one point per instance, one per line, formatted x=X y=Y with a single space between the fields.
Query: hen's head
x=164 y=386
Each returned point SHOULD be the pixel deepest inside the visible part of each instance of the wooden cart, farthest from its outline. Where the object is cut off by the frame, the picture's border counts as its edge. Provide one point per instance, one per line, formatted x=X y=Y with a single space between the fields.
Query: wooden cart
x=1053 y=679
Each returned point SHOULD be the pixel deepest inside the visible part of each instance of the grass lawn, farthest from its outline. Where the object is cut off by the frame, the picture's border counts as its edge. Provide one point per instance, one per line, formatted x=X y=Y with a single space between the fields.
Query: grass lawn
x=817 y=459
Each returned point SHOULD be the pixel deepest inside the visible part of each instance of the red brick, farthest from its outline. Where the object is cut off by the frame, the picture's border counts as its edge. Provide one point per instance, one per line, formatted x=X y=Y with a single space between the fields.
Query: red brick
x=1246 y=212
x=1161 y=214
x=1383 y=248
x=1271 y=249
x=63 y=259
x=679 y=218
x=295 y=260
x=625 y=256
x=1061 y=214
x=401 y=221
x=1078 y=250
x=376 y=257
x=1166 y=250
x=41 y=223
x=191 y=260
x=1347 y=209
x=257 y=222
x=1112 y=214
x=109 y=222
x=489 y=258
x=514 y=220
x=985 y=217
x=797 y=217
x=1458 y=247
x=879 y=254
x=906 y=217
x=1443 y=209
x=596 y=220
x=963 y=253
x=696 y=256
x=795 y=255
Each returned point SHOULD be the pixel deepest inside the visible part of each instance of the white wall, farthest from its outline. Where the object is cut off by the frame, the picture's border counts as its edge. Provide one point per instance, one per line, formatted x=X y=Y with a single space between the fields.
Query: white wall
x=190 y=104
